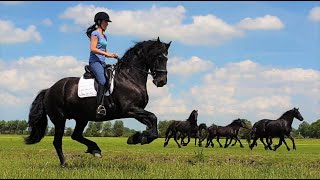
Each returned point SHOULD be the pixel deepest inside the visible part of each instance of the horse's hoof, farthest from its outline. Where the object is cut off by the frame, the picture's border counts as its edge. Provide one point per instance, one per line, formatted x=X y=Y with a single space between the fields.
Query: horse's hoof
x=134 y=139
x=98 y=155
x=63 y=165
x=144 y=140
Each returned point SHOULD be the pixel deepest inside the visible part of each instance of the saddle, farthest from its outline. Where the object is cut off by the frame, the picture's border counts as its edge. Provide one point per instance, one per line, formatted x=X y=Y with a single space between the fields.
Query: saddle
x=89 y=75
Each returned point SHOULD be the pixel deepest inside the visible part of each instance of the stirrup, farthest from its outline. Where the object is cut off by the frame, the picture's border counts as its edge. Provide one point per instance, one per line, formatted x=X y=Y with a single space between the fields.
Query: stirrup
x=101 y=110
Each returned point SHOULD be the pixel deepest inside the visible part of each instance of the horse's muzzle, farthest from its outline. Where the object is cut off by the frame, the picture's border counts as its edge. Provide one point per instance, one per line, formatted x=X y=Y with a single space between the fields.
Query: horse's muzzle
x=159 y=83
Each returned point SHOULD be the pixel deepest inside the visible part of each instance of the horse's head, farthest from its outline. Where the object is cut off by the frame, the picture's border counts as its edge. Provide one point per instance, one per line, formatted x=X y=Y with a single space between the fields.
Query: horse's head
x=193 y=116
x=297 y=114
x=239 y=123
x=158 y=64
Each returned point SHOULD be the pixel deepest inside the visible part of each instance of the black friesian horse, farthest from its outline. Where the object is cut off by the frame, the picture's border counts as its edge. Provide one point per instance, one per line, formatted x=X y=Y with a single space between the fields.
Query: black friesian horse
x=230 y=132
x=61 y=101
x=185 y=127
x=276 y=128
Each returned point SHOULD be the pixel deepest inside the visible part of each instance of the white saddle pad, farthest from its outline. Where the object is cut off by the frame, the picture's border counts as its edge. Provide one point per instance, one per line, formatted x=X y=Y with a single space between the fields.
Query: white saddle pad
x=86 y=87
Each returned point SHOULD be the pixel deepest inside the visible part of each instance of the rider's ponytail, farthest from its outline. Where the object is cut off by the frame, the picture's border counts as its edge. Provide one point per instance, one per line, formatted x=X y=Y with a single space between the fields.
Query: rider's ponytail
x=90 y=30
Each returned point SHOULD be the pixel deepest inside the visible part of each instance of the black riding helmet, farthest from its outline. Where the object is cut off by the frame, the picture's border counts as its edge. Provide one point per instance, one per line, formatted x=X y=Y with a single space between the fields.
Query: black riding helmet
x=101 y=16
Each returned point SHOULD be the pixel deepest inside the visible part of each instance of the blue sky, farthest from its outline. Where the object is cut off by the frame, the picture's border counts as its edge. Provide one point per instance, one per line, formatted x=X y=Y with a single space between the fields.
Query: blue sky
x=250 y=60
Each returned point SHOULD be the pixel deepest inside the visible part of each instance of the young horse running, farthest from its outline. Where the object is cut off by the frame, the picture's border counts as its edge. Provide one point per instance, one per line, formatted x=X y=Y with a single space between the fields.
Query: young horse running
x=278 y=128
x=186 y=126
x=196 y=134
x=61 y=101
x=229 y=131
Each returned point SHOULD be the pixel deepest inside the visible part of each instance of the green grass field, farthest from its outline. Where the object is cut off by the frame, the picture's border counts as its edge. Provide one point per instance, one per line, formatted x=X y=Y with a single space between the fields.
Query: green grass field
x=120 y=160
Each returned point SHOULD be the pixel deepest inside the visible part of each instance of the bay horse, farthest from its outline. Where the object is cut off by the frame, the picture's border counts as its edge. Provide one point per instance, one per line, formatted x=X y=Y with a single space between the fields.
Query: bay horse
x=230 y=132
x=185 y=127
x=61 y=101
x=280 y=128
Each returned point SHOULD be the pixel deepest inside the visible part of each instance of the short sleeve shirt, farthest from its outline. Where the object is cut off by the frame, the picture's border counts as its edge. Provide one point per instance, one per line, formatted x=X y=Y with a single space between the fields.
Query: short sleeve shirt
x=102 y=45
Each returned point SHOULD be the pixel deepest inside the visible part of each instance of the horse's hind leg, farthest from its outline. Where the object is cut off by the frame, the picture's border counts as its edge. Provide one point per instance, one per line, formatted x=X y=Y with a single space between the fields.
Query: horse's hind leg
x=278 y=145
x=167 y=139
x=77 y=135
x=293 y=144
x=284 y=141
x=234 y=142
x=253 y=143
x=59 y=124
x=219 y=141
x=237 y=139
x=264 y=144
x=175 y=139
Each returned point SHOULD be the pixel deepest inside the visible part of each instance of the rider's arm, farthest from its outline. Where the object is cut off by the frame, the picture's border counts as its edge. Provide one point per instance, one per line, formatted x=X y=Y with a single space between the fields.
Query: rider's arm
x=95 y=50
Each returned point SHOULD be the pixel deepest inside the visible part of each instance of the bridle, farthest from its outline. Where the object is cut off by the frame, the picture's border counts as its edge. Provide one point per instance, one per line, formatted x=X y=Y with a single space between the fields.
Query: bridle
x=153 y=71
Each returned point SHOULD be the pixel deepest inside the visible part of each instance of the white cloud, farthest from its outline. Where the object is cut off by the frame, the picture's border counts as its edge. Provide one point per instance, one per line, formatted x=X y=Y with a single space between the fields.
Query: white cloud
x=165 y=22
x=47 y=22
x=267 y=22
x=314 y=14
x=188 y=67
x=9 y=34
x=26 y=77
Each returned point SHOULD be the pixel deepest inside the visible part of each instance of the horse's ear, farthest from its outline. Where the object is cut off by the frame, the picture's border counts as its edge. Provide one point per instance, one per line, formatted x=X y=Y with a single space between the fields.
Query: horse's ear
x=158 y=39
x=168 y=45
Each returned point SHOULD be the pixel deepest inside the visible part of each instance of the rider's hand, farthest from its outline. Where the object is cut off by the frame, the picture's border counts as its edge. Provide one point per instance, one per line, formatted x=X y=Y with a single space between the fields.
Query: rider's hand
x=115 y=56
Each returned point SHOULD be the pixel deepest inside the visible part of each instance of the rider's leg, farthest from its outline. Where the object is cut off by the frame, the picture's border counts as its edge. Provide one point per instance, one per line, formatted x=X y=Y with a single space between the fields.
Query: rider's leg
x=98 y=71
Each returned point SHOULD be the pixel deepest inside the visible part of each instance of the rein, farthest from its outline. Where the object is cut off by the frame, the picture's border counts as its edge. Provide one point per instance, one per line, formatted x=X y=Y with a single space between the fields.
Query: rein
x=147 y=72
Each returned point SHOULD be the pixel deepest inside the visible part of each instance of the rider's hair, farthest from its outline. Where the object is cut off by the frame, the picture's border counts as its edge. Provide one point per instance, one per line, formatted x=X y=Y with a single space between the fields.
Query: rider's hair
x=91 y=29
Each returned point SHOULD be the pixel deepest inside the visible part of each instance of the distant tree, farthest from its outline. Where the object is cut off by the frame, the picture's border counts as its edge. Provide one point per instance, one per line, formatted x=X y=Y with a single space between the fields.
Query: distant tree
x=51 y=132
x=315 y=129
x=118 y=128
x=304 y=129
x=128 y=132
x=296 y=134
x=22 y=126
x=68 y=131
x=107 y=129
x=163 y=126
x=2 y=126
x=243 y=132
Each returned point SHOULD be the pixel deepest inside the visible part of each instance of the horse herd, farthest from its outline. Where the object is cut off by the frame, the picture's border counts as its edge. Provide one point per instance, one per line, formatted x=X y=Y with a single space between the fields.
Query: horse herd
x=264 y=128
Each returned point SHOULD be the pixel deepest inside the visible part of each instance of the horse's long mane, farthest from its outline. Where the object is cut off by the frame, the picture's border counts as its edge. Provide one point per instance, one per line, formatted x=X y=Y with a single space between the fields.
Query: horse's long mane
x=150 y=46
x=192 y=117
x=234 y=122
x=286 y=115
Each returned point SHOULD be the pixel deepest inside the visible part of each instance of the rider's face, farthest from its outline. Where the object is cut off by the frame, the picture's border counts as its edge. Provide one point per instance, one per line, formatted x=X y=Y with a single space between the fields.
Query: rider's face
x=104 y=24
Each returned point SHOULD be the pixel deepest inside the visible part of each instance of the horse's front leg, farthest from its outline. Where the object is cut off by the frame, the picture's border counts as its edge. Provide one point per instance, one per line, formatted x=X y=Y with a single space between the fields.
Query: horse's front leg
x=150 y=120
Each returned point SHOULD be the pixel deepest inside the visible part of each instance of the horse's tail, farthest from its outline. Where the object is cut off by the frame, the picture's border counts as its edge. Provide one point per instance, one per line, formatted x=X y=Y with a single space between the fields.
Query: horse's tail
x=167 y=132
x=249 y=137
x=37 y=119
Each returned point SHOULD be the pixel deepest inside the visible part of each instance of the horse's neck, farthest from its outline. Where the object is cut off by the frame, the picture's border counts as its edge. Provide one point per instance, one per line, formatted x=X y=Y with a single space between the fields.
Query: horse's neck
x=135 y=69
x=288 y=117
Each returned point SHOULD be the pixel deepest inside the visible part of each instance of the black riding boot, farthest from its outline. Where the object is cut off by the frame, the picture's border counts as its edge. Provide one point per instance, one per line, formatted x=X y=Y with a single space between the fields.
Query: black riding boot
x=101 y=110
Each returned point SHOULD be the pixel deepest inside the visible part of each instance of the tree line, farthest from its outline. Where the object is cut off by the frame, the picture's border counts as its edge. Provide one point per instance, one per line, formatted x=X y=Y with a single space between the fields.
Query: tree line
x=117 y=129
